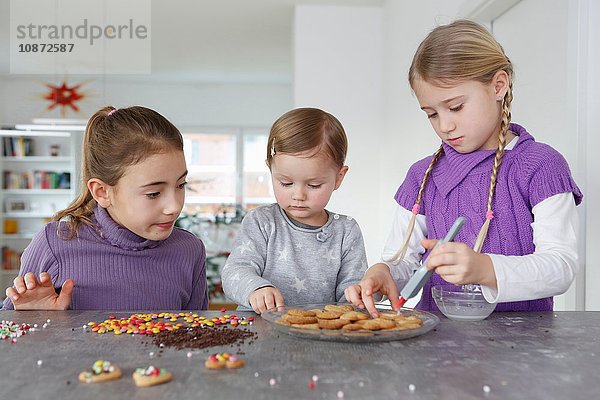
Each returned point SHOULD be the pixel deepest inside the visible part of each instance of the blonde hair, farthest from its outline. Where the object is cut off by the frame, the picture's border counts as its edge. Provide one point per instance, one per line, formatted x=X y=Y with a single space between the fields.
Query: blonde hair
x=454 y=53
x=305 y=129
x=114 y=140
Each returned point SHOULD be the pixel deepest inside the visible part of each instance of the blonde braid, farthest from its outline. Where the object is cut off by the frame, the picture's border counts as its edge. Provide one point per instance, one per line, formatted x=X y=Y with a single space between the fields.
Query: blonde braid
x=399 y=256
x=504 y=125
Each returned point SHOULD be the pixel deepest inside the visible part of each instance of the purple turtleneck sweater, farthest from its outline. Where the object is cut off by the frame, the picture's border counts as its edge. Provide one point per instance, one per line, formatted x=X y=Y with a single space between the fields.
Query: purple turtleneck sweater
x=115 y=269
x=459 y=185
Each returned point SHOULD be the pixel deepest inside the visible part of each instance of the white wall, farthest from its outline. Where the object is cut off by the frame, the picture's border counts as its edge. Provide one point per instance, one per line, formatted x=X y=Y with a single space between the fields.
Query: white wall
x=552 y=100
x=408 y=135
x=337 y=67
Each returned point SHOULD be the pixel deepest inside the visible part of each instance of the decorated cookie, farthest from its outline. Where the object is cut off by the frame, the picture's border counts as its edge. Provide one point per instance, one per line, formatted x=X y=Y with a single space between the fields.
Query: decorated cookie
x=151 y=376
x=223 y=360
x=101 y=371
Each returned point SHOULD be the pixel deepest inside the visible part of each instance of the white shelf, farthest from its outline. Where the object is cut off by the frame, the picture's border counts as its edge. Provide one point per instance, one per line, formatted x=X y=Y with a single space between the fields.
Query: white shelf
x=37 y=191
x=39 y=205
x=26 y=214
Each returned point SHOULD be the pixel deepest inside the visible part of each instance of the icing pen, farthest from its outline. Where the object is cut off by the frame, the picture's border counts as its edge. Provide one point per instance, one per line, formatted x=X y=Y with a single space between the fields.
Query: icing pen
x=421 y=276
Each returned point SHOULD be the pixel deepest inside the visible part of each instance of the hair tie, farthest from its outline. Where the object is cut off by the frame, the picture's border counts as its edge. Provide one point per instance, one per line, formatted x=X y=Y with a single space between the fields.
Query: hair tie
x=415 y=209
x=489 y=214
x=111 y=112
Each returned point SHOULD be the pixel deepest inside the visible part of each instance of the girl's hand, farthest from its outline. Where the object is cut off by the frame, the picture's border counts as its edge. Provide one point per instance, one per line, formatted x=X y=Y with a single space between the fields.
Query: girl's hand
x=31 y=294
x=377 y=279
x=457 y=263
x=265 y=298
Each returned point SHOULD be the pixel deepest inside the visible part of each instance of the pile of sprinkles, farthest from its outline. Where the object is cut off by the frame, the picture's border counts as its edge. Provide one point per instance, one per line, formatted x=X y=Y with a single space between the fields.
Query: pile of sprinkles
x=149 y=324
x=10 y=330
x=201 y=338
x=166 y=329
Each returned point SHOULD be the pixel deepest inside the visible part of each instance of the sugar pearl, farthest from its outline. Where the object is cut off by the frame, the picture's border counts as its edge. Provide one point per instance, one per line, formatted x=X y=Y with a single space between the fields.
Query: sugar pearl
x=340 y=394
x=272 y=381
x=486 y=389
x=39 y=363
x=411 y=387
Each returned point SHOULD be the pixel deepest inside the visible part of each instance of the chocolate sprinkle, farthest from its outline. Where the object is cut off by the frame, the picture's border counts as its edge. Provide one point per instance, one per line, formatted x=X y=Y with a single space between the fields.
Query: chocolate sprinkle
x=200 y=338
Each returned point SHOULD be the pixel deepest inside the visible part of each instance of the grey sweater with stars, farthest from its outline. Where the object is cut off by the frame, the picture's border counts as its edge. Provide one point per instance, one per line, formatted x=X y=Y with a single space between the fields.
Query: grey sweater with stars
x=307 y=265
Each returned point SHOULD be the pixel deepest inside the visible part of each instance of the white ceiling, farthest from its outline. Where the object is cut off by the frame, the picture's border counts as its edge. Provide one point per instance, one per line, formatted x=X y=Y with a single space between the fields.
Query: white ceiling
x=215 y=40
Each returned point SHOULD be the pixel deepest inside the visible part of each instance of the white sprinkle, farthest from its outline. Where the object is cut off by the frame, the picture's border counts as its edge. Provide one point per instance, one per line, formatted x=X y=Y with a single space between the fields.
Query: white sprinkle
x=486 y=389
x=315 y=378
x=256 y=374
x=161 y=345
x=340 y=394
x=48 y=320
x=44 y=326
x=84 y=327
x=151 y=354
x=35 y=325
x=39 y=363
x=411 y=387
x=272 y=381
x=189 y=354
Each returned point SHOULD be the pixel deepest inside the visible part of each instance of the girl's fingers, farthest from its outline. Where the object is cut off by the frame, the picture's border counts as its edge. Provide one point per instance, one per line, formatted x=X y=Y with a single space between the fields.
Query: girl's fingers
x=45 y=279
x=19 y=284
x=269 y=301
x=278 y=299
x=12 y=294
x=64 y=298
x=30 y=281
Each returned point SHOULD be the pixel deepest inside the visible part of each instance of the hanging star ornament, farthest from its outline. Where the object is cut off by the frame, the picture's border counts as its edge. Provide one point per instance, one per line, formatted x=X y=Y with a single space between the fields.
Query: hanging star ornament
x=64 y=96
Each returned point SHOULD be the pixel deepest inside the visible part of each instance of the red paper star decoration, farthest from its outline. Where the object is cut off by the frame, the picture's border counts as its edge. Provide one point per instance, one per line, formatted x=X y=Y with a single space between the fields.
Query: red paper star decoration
x=64 y=96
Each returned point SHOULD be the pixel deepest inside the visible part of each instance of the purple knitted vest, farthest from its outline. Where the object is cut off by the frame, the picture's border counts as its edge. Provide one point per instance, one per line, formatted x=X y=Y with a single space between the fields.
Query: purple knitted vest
x=459 y=185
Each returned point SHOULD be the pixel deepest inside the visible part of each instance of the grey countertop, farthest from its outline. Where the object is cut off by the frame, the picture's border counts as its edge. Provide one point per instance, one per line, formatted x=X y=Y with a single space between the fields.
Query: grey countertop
x=539 y=355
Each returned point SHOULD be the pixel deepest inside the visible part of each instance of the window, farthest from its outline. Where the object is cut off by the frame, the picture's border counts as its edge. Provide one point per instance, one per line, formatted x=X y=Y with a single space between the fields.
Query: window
x=226 y=170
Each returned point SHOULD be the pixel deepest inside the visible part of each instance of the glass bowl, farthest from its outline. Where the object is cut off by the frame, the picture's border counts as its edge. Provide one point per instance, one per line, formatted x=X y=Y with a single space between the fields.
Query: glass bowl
x=462 y=304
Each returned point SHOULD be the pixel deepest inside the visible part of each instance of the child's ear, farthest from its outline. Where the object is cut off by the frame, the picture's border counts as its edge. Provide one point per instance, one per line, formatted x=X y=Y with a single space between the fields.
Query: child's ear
x=99 y=191
x=501 y=82
x=340 y=176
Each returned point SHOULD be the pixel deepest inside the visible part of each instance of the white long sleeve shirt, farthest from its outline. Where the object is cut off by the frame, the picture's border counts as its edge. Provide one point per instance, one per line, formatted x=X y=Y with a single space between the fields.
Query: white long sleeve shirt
x=549 y=271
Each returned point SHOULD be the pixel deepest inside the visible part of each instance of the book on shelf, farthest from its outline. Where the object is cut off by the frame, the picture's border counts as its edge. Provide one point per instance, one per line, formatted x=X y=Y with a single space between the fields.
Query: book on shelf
x=11 y=259
x=37 y=180
x=17 y=146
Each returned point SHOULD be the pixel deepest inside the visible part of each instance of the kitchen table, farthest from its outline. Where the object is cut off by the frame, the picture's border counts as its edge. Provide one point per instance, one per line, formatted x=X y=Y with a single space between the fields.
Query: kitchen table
x=535 y=355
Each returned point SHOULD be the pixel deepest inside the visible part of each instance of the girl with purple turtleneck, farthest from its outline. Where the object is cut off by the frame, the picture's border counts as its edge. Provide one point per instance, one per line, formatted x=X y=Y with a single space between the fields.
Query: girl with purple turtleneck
x=115 y=247
x=518 y=196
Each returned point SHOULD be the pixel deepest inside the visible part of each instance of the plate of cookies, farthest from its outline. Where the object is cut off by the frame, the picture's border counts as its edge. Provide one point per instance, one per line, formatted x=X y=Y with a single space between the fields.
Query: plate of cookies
x=345 y=323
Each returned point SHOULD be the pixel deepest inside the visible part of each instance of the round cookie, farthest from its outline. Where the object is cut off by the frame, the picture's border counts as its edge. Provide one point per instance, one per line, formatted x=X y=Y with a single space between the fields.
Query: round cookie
x=101 y=371
x=354 y=316
x=301 y=313
x=328 y=314
x=339 y=307
x=332 y=323
x=296 y=319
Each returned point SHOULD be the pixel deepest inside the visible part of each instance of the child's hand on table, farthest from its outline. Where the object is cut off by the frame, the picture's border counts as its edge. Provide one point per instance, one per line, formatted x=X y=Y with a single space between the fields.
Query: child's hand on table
x=30 y=294
x=265 y=298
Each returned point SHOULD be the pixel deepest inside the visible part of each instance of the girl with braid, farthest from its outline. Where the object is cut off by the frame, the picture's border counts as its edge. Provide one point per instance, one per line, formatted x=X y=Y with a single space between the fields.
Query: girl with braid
x=519 y=242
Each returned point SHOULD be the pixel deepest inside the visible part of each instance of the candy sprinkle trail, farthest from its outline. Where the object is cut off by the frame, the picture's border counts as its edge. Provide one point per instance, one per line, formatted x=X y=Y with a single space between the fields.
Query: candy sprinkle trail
x=10 y=330
x=166 y=329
